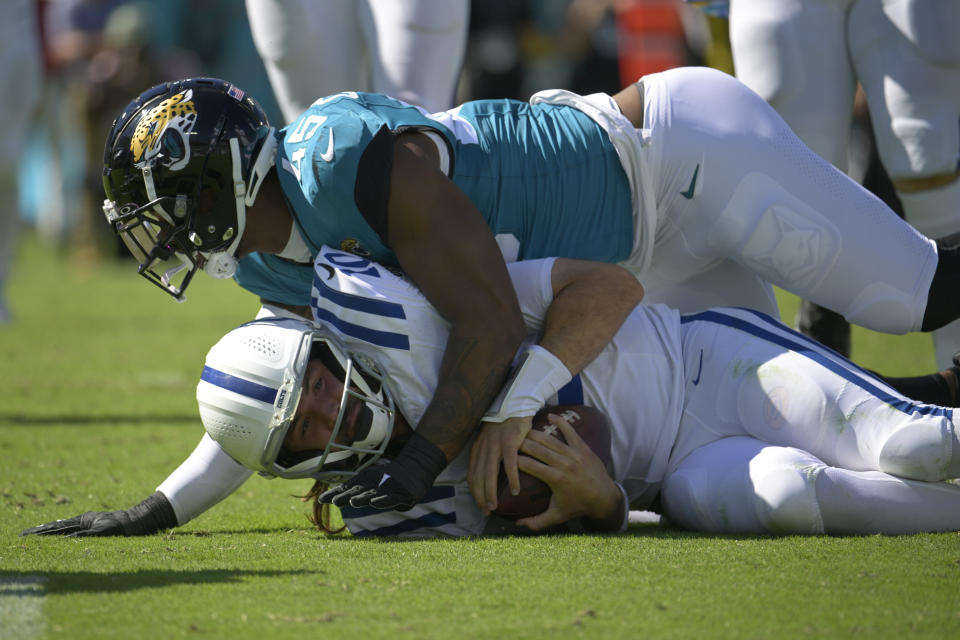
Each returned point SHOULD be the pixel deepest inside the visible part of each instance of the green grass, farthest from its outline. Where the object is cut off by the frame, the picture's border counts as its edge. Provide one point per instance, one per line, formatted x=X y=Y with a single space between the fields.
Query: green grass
x=97 y=406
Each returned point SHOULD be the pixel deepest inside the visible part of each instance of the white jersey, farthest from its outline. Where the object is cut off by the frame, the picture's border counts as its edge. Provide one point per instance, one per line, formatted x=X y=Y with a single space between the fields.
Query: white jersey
x=384 y=318
x=672 y=388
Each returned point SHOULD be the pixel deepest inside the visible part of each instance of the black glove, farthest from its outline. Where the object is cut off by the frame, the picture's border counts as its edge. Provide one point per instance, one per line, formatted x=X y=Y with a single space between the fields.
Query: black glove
x=398 y=484
x=152 y=515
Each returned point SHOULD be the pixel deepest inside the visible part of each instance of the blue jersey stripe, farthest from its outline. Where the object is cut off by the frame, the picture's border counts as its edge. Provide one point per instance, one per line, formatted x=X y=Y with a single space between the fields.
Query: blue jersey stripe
x=239 y=385
x=807 y=340
x=412 y=524
x=572 y=392
x=359 y=303
x=806 y=347
x=388 y=339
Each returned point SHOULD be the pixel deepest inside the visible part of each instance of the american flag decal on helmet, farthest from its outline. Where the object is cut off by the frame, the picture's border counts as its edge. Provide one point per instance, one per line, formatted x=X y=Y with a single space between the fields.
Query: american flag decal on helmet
x=235 y=93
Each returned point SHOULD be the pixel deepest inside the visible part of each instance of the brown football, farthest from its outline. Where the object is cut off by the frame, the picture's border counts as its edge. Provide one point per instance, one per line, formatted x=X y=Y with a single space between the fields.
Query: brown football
x=534 y=497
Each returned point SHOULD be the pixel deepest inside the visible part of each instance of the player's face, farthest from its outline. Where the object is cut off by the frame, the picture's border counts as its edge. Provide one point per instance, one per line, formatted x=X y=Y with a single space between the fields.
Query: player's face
x=316 y=414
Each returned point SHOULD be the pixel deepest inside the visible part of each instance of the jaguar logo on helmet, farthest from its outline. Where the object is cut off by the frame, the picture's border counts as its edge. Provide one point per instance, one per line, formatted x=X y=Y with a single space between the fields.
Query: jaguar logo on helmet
x=163 y=132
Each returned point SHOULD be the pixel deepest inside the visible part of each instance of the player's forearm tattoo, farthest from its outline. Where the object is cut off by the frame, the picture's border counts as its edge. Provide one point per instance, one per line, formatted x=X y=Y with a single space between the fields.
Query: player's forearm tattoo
x=470 y=375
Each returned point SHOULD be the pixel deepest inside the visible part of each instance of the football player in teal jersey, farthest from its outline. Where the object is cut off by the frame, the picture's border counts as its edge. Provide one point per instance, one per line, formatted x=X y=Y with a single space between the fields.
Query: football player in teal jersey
x=686 y=178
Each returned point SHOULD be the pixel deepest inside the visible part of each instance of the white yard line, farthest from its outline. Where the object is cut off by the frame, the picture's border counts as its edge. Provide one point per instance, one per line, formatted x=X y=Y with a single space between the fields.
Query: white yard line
x=21 y=607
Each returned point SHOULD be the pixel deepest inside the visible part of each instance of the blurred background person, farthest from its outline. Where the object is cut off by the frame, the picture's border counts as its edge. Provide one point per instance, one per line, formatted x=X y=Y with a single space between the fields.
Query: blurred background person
x=518 y=47
x=408 y=49
x=21 y=73
x=806 y=58
x=98 y=54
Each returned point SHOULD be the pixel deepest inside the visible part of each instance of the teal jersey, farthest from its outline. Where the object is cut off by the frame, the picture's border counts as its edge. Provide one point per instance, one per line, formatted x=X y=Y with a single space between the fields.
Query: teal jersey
x=544 y=176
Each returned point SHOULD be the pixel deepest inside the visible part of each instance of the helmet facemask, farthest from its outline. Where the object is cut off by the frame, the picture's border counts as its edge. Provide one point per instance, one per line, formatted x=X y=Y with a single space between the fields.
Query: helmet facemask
x=181 y=166
x=156 y=243
x=251 y=387
x=345 y=455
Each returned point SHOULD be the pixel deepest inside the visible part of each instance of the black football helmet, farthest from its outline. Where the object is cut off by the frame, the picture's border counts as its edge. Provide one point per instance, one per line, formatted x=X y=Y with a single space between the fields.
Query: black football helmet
x=182 y=163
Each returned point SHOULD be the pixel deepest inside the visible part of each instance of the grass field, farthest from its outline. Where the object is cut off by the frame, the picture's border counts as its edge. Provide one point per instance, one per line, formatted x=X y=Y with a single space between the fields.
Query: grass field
x=97 y=406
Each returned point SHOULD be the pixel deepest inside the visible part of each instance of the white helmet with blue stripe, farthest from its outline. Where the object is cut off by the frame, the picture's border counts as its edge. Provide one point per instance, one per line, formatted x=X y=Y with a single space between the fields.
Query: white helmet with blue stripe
x=250 y=388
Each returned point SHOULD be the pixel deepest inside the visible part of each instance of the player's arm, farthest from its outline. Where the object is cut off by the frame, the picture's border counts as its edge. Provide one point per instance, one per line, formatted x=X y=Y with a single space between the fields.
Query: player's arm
x=446 y=248
x=448 y=251
x=205 y=478
x=150 y=516
x=590 y=302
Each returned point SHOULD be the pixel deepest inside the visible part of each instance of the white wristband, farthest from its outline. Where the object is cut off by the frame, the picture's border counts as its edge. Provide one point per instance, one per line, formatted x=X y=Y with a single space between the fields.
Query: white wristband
x=538 y=377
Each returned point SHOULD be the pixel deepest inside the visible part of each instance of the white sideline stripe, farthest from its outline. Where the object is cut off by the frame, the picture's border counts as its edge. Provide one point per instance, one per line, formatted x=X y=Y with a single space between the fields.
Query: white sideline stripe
x=21 y=607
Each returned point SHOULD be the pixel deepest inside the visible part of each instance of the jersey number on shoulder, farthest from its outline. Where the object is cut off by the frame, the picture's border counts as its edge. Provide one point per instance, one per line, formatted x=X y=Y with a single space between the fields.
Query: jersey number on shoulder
x=351 y=264
x=305 y=130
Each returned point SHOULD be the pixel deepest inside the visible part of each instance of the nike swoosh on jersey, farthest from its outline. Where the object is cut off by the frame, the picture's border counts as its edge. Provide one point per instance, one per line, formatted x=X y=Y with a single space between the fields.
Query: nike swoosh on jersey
x=696 y=380
x=328 y=154
x=688 y=194
x=329 y=269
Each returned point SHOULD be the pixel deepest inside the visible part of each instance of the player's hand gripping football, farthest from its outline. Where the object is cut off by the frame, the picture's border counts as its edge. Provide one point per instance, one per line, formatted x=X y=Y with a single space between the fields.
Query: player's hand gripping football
x=496 y=442
x=398 y=484
x=581 y=486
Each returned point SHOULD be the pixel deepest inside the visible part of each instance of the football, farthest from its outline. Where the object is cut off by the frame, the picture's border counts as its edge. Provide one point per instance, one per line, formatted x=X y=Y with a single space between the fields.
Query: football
x=534 y=497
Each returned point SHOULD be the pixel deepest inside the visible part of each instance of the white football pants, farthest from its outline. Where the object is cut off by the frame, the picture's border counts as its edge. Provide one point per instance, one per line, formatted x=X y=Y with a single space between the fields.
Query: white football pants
x=742 y=202
x=780 y=435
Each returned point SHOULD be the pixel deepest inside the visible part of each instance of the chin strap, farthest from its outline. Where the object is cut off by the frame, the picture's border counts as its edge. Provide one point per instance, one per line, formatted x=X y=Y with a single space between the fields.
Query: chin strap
x=223 y=264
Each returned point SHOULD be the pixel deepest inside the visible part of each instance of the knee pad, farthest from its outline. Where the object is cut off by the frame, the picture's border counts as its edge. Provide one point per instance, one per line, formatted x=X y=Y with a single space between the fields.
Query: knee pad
x=785 y=496
x=882 y=307
x=918 y=450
